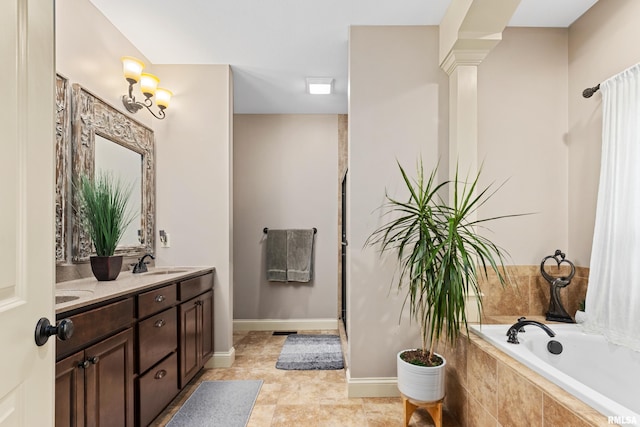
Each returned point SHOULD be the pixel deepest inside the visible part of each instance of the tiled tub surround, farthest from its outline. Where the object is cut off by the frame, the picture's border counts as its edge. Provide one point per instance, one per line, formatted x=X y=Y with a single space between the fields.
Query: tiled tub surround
x=90 y=291
x=486 y=387
x=603 y=375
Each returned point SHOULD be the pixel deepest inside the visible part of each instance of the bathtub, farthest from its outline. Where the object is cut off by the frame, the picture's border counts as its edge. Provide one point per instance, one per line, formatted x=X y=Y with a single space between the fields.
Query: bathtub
x=603 y=375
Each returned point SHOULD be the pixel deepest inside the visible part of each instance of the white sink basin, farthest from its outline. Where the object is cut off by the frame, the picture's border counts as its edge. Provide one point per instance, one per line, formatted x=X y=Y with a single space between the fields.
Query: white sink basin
x=66 y=295
x=167 y=271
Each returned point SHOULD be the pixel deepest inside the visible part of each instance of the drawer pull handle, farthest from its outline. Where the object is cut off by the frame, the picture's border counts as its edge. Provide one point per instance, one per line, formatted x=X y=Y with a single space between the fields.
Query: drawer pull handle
x=160 y=298
x=160 y=323
x=160 y=374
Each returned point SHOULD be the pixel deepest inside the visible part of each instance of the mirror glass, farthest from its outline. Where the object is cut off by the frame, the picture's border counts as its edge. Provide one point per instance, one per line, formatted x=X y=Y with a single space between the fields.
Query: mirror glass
x=125 y=164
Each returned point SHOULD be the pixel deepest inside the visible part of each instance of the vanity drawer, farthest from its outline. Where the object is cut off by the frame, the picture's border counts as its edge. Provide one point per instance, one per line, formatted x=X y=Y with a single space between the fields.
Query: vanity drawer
x=195 y=286
x=157 y=300
x=157 y=388
x=157 y=337
x=96 y=324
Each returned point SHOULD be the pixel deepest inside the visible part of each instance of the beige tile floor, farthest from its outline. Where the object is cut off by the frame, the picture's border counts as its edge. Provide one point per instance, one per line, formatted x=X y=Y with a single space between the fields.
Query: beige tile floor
x=299 y=398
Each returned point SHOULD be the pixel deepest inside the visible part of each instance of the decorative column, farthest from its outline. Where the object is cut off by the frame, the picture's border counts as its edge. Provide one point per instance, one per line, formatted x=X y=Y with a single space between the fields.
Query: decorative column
x=469 y=30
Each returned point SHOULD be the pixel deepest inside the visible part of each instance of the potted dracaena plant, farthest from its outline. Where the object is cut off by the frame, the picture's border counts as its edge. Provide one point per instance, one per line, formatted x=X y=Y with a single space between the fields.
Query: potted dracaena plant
x=440 y=258
x=105 y=215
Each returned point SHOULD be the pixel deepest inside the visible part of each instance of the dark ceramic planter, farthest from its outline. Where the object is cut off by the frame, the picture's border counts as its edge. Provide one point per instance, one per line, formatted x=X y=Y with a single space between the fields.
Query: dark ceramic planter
x=106 y=267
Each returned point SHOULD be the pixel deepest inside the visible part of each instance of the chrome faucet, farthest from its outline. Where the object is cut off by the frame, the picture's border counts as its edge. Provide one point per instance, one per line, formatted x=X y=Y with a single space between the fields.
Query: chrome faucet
x=512 y=333
x=141 y=266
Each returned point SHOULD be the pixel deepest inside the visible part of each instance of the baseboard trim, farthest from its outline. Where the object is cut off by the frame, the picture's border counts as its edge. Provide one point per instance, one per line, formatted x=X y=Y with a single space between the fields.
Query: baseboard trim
x=222 y=359
x=284 y=325
x=372 y=387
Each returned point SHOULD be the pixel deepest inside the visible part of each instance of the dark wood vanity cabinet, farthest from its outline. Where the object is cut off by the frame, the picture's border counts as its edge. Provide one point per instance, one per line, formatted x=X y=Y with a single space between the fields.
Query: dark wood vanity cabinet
x=157 y=383
x=196 y=325
x=94 y=387
x=128 y=359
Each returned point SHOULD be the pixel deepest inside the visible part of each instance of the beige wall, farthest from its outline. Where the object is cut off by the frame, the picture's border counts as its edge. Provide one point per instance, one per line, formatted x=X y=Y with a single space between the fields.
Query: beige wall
x=522 y=125
x=602 y=43
x=193 y=144
x=398 y=110
x=194 y=170
x=285 y=170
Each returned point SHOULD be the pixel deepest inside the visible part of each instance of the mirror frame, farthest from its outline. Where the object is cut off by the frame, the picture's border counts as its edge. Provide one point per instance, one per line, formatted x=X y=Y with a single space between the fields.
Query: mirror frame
x=62 y=134
x=91 y=116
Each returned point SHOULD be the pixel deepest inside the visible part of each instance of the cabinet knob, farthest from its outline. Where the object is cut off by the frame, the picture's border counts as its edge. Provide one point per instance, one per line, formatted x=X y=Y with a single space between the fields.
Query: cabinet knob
x=159 y=323
x=94 y=360
x=160 y=374
x=160 y=298
x=84 y=364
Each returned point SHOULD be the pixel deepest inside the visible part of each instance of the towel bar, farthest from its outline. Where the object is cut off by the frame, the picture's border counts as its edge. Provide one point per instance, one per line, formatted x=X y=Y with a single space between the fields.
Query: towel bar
x=266 y=229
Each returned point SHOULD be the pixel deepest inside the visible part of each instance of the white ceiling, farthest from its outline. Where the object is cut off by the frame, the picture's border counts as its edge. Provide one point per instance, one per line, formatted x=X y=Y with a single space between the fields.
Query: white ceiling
x=272 y=45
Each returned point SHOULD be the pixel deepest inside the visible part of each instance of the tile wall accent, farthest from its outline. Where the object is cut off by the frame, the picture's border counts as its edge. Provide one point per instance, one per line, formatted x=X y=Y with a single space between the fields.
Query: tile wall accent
x=529 y=292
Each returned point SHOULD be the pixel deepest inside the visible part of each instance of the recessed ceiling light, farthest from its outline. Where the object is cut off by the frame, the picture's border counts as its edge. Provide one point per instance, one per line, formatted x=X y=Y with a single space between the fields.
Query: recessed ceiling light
x=319 y=85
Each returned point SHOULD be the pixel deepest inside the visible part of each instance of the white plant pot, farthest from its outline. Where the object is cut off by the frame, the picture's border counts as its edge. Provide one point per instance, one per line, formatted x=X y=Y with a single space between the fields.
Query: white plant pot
x=421 y=383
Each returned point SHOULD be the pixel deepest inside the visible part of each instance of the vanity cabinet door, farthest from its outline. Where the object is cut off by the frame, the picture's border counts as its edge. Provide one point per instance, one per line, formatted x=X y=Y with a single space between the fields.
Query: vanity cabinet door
x=196 y=335
x=109 y=382
x=69 y=400
x=207 y=326
x=189 y=314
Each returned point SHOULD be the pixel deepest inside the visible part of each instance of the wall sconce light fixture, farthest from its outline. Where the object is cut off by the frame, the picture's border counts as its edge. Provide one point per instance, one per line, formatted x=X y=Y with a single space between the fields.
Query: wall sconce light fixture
x=132 y=69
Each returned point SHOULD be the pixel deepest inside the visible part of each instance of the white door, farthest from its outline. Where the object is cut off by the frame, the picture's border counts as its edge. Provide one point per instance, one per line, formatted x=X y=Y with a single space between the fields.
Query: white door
x=27 y=266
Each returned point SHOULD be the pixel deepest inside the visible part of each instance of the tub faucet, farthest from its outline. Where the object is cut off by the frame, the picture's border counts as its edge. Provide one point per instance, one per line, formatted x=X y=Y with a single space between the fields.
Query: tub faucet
x=512 y=333
x=141 y=266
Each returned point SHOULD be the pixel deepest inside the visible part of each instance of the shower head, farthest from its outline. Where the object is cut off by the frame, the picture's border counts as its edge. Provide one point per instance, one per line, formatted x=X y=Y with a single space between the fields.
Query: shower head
x=588 y=92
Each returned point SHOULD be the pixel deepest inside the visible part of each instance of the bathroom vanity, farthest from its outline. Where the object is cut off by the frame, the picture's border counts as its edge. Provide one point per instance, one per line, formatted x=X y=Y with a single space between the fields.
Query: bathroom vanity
x=137 y=342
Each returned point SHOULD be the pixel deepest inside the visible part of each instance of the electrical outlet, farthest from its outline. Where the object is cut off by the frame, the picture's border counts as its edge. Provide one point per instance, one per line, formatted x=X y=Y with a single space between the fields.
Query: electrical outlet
x=165 y=241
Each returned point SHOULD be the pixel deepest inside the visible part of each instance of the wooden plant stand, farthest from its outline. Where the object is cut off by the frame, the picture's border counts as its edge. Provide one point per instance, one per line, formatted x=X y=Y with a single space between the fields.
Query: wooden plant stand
x=434 y=409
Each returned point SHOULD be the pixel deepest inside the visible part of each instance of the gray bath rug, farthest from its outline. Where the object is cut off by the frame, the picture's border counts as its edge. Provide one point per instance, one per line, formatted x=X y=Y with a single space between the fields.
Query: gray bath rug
x=311 y=352
x=218 y=403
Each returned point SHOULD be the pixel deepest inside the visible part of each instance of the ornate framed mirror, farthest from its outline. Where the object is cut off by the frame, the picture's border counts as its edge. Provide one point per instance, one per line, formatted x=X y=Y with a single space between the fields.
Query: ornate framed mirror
x=63 y=117
x=104 y=138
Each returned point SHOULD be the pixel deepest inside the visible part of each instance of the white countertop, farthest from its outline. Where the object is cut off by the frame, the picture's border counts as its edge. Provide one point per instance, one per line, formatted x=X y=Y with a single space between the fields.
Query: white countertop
x=91 y=291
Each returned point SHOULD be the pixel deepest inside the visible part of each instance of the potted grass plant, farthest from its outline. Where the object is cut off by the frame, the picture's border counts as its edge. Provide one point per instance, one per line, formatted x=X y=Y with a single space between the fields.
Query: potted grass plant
x=441 y=257
x=105 y=215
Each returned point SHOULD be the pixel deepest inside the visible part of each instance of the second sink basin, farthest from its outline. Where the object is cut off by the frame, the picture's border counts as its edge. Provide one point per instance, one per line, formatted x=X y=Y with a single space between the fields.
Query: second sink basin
x=168 y=271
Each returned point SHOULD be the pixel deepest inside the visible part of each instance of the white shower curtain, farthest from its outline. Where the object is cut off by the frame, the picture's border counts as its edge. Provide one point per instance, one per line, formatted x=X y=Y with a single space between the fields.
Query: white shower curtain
x=613 y=295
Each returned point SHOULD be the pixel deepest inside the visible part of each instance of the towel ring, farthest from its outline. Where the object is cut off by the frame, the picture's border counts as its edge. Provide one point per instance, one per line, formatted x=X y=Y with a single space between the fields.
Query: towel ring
x=266 y=229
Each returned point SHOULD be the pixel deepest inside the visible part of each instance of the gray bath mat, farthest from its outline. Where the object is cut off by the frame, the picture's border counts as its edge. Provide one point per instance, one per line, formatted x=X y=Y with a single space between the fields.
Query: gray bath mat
x=311 y=352
x=218 y=403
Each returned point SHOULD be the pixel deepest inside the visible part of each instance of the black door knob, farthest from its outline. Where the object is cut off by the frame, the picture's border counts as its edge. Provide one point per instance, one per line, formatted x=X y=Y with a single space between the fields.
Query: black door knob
x=44 y=329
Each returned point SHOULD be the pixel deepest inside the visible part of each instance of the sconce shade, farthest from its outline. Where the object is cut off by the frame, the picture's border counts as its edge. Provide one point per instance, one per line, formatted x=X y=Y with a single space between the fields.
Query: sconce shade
x=132 y=68
x=163 y=96
x=148 y=84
